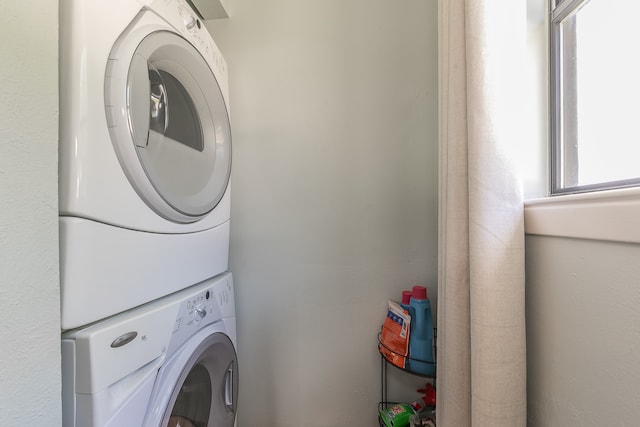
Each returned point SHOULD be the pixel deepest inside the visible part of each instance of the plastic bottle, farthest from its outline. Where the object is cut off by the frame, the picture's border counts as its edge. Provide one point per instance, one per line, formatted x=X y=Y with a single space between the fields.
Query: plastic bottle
x=406 y=298
x=421 y=339
x=405 y=304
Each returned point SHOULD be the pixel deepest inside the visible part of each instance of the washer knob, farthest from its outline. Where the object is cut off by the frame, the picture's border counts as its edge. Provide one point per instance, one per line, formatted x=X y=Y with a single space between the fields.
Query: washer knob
x=199 y=313
x=189 y=21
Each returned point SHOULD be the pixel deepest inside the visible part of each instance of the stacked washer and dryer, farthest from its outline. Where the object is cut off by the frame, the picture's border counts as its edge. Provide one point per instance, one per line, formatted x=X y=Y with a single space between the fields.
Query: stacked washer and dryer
x=148 y=311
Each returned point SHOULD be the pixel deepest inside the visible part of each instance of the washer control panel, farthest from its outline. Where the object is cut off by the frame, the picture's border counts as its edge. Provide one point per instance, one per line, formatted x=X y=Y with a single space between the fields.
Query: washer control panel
x=209 y=305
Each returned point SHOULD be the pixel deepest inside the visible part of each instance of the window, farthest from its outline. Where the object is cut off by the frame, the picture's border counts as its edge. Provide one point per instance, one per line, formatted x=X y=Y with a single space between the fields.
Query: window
x=595 y=95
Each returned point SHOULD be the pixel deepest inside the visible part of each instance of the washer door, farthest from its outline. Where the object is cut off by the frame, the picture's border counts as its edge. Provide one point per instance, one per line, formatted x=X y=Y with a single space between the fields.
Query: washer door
x=198 y=387
x=169 y=124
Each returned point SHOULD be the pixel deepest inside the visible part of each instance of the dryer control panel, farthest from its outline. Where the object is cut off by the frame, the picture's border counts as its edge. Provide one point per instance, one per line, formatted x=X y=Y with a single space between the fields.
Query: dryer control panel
x=181 y=16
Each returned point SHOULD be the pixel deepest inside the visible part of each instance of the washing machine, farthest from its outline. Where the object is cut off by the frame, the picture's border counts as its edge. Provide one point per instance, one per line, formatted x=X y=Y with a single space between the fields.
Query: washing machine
x=169 y=363
x=145 y=155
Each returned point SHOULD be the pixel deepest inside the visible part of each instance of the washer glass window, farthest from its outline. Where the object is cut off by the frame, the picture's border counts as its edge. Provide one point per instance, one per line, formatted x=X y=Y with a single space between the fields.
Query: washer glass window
x=193 y=404
x=206 y=393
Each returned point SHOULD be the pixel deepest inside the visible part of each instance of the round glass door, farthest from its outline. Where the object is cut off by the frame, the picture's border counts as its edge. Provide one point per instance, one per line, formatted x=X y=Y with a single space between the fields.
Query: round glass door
x=178 y=130
x=207 y=391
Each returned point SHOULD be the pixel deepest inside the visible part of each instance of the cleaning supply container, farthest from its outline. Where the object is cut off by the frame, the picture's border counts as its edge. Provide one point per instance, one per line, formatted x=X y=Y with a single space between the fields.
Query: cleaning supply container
x=406 y=299
x=421 y=341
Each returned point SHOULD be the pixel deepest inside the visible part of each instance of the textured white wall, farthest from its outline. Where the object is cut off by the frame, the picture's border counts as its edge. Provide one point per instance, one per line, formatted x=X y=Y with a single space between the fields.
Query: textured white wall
x=29 y=290
x=583 y=332
x=334 y=205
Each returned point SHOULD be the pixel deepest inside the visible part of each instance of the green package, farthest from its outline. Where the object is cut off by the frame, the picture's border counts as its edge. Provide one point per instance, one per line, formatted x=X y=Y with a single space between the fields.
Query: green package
x=397 y=415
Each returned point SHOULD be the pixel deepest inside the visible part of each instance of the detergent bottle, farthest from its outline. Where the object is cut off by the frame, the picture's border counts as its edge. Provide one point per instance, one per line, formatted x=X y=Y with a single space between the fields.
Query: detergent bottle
x=406 y=298
x=421 y=342
x=405 y=304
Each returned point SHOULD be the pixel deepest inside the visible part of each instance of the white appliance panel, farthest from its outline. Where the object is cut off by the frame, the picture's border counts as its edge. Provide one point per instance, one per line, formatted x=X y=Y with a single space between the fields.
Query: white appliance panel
x=114 y=371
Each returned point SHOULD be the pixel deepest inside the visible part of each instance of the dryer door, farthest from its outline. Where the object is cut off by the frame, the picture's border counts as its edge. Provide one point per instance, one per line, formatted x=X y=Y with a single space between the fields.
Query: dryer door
x=198 y=387
x=169 y=124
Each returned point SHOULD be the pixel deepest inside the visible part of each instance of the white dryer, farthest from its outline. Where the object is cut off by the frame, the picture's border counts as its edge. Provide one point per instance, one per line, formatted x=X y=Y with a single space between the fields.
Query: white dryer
x=145 y=155
x=171 y=362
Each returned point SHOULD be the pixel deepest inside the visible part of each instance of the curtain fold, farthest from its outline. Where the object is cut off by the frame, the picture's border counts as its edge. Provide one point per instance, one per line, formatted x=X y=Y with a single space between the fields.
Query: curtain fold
x=481 y=317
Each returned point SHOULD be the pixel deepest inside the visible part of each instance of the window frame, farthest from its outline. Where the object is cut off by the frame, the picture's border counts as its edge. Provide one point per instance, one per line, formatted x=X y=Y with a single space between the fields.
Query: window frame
x=562 y=149
x=609 y=215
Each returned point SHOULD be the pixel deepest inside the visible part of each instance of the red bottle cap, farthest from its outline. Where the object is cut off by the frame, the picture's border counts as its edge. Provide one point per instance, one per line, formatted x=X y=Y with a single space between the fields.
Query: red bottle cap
x=406 y=297
x=419 y=292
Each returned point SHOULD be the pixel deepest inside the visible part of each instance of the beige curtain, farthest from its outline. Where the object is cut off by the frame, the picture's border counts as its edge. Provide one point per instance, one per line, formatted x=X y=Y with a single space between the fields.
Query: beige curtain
x=481 y=320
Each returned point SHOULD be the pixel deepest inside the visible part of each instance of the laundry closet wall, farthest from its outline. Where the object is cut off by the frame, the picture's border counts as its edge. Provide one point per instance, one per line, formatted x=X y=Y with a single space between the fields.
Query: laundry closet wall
x=29 y=285
x=334 y=207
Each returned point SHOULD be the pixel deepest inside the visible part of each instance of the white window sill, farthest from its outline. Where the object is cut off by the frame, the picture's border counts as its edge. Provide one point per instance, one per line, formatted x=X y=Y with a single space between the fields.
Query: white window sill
x=607 y=215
